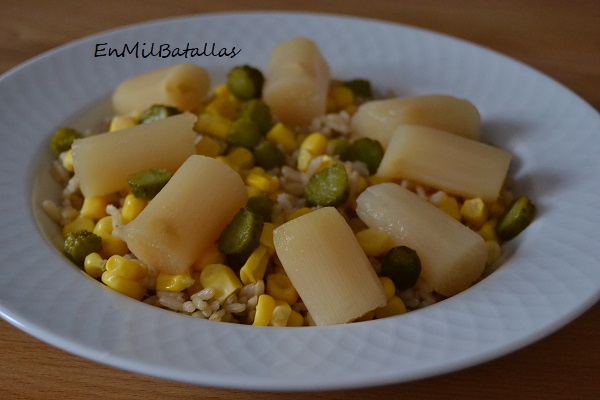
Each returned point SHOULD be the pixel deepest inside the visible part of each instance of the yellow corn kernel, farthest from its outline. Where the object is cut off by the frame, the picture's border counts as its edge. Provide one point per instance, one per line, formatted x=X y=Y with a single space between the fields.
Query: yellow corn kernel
x=124 y=267
x=394 y=306
x=314 y=145
x=281 y=313
x=295 y=319
x=174 y=283
x=474 y=211
x=94 y=207
x=113 y=246
x=447 y=204
x=388 y=286
x=213 y=125
x=280 y=287
x=93 y=265
x=488 y=230
x=128 y=287
x=223 y=104
x=494 y=252
x=120 y=122
x=132 y=207
x=211 y=255
x=252 y=191
x=254 y=268
x=241 y=157
x=66 y=159
x=373 y=242
x=266 y=237
x=342 y=97
x=77 y=224
x=297 y=213
x=264 y=182
x=222 y=90
x=283 y=136
x=104 y=226
x=221 y=279
x=207 y=146
x=264 y=310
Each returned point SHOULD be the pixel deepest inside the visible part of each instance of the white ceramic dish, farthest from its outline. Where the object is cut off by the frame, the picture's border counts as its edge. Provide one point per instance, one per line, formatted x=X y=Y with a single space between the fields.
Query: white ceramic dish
x=550 y=277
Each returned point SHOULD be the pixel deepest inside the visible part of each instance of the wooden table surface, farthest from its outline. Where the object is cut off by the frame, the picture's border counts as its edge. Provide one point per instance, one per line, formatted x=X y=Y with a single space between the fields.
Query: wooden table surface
x=559 y=38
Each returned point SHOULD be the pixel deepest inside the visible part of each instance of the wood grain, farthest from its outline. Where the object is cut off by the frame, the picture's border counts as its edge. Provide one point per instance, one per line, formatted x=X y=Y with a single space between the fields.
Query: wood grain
x=559 y=38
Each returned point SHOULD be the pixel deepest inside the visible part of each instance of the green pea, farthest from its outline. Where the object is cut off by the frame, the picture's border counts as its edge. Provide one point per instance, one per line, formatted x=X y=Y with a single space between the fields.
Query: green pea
x=402 y=265
x=245 y=82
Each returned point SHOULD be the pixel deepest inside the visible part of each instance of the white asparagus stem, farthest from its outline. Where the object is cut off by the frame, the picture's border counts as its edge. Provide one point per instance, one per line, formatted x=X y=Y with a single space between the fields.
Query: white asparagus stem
x=296 y=82
x=187 y=215
x=184 y=86
x=103 y=162
x=379 y=119
x=445 y=161
x=452 y=255
x=328 y=268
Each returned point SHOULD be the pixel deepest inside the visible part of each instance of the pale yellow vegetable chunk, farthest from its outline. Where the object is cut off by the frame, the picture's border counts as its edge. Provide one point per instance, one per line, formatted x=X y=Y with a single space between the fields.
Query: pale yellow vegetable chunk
x=184 y=86
x=187 y=216
x=296 y=82
x=103 y=162
x=445 y=161
x=328 y=268
x=452 y=256
x=378 y=119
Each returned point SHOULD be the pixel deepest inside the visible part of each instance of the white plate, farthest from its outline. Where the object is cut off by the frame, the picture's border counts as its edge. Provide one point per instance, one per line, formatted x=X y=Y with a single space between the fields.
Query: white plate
x=550 y=277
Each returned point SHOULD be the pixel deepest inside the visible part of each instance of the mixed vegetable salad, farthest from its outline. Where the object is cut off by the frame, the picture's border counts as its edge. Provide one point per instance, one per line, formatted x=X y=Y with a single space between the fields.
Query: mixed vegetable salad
x=284 y=197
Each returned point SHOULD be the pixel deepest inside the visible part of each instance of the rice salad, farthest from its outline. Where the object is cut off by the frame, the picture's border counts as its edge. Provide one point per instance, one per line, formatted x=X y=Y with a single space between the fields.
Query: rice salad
x=283 y=197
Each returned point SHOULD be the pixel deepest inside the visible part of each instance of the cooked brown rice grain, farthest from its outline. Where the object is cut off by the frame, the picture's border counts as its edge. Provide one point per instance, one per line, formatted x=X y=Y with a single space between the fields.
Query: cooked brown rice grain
x=199 y=303
x=231 y=299
x=59 y=173
x=299 y=307
x=166 y=293
x=152 y=300
x=250 y=290
x=250 y=316
x=295 y=188
x=188 y=307
x=198 y=314
x=204 y=294
x=214 y=305
x=421 y=192
x=235 y=308
x=115 y=213
x=170 y=302
x=252 y=302
x=207 y=312
x=228 y=318
x=216 y=316
x=52 y=210
x=290 y=174
x=72 y=187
